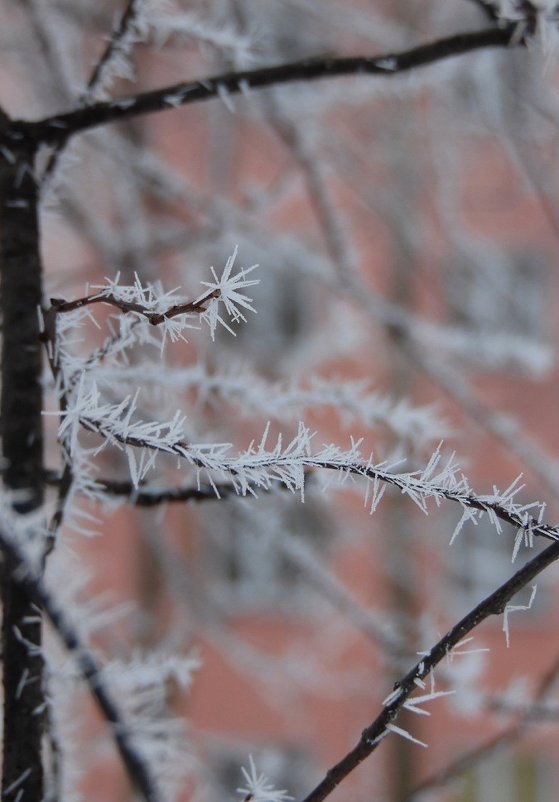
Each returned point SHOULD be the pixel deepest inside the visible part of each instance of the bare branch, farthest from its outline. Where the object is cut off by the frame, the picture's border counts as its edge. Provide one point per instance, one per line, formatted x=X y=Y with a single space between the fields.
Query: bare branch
x=372 y=736
x=154 y=496
x=495 y=743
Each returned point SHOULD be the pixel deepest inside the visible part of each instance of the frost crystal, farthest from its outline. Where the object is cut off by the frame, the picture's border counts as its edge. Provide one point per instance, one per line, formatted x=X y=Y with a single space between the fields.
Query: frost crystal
x=258 y=789
x=514 y=608
x=226 y=290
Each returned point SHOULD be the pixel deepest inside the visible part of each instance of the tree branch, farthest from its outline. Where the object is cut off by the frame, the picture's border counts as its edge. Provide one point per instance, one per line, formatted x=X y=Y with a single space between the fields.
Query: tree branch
x=116 y=46
x=31 y=582
x=155 y=318
x=488 y=9
x=371 y=737
x=59 y=128
x=250 y=469
x=501 y=740
x=153 y=497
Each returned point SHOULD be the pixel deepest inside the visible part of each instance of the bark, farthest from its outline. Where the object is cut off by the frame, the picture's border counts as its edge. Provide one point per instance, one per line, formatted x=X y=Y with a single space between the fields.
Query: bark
x=22 y=455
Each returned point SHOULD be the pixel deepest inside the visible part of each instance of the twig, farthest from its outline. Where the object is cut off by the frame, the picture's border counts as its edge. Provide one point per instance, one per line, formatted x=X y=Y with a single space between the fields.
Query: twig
x=115 y=46
x=371 y=737
x=483 y=751
x=155 y=318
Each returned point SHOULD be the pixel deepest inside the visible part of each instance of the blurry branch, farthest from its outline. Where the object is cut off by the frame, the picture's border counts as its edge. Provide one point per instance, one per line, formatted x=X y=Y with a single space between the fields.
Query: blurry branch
x=153 y=497
x=299 y=141
x=530 y=714
x=30 y=580
x=310 y=565
x=51 y=51
x=405 y=329
x=146 y=496
x=59 y=128
x=494 y=604
x=503 y=427
x=488 y=8
x=276 y=677
x=117 y=47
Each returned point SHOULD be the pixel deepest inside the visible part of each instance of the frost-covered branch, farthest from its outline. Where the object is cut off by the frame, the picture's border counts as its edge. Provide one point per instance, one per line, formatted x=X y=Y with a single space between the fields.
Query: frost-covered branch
x=62 y=126
x=153 y=304
x=372 y=735
x=30 y=579
x=258 y=466
x=526 y=715
x=249 y=393
x=113 y=60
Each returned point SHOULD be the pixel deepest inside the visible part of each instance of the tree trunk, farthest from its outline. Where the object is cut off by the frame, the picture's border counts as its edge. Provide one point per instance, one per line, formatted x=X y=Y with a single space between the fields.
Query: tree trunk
x=22 y=460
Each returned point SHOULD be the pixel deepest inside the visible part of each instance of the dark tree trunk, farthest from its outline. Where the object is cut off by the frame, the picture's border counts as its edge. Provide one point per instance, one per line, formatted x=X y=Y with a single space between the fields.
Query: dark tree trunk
x=22 y=456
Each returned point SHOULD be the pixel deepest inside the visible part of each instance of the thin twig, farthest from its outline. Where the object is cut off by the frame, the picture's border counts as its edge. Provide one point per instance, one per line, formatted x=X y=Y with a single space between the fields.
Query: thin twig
x=114 y=47
x=483 y=751
x=372 y=736
x=405 y=482
x=155 y=318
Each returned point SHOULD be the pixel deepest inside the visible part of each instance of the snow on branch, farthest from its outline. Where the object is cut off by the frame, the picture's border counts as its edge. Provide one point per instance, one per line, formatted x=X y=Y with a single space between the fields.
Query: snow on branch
x=29 y=578
x=259 y=465
x=114 y=61
x=353 y=400
x=61 y=127
x=154 y=304
x=143 y=20
x=189 y=26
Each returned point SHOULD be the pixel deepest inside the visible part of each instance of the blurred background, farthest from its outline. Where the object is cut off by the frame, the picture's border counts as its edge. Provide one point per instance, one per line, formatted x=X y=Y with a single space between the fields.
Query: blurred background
x=406 y=229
